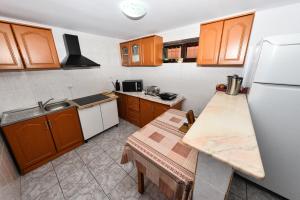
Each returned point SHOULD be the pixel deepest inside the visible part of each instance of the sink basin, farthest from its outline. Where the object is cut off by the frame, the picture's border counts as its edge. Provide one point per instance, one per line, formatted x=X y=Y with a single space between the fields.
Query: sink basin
x=57 y=106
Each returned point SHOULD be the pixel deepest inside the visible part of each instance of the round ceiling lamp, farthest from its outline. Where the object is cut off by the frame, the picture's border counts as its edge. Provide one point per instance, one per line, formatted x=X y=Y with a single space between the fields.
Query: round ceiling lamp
x=133 y=9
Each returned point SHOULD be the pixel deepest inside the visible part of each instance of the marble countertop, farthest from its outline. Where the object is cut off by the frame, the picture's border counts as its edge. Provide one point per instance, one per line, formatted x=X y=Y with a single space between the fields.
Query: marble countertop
x=225 y=131
x=142 y=95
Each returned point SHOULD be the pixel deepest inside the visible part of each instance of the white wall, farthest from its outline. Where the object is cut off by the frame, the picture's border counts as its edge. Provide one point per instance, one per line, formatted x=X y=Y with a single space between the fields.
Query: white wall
x=23 y=89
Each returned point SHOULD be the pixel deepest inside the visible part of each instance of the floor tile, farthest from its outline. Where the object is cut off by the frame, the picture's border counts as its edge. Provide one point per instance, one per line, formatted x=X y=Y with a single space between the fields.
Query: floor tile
x=98 y=165
x=128 y=167
x=152 y=190
x=232 y=196
x=73 y=183
x=115 y=151
x=68 y=167
x=90 y=191
x=110 y=177
x=64 y=158
x=89 y=151
x=36 y=186
x=37 y=173
x=53 y=193
x=126 y=189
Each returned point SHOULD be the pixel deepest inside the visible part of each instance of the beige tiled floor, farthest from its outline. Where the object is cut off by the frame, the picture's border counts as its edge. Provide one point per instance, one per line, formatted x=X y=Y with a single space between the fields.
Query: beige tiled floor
x=93 y=172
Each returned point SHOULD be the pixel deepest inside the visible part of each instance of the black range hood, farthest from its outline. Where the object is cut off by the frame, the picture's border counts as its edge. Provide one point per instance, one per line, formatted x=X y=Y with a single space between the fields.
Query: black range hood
x=74 y=59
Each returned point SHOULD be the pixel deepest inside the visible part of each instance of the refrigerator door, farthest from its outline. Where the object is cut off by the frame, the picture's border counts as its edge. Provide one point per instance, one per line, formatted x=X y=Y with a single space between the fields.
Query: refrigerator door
x=275 y=111
x=279 y=60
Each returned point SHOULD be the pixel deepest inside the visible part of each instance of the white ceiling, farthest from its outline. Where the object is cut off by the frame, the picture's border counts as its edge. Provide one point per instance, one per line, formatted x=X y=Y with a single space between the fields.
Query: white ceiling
x=103 y=17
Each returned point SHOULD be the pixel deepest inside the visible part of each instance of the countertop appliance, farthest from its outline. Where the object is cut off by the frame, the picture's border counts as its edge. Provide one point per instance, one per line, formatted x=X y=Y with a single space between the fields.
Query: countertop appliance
x=167 y=96
x=132 y=85
x=152 y=90
x=74 y=59
x=90 y=99
x=274 y=101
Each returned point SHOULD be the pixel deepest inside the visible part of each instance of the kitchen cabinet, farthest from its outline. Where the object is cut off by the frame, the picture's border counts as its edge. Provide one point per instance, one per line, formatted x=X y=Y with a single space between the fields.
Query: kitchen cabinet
x=9 y=56
x=98 y=118
x=209 y=43
x=225 y=42
x=91 y=121
x=140 y=111
x=125 y=53
x=109 y=112
x=236 y=34
x=145 y=51
x=30 y=141
x=36 y=46
x=121 y=105
x=36 y=141
x=65 y=127
x=135 y=53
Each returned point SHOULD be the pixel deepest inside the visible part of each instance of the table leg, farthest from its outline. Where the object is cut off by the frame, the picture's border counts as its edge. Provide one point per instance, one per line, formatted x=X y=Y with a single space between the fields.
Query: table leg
x=140 y=182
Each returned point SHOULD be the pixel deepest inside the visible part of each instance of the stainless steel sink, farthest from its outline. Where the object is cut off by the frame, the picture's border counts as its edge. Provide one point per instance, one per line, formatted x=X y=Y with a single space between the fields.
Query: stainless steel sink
x=57 y=106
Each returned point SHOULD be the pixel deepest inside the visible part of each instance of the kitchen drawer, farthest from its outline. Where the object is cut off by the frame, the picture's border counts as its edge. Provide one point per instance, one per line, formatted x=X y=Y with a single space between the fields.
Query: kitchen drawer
x=133 y=103
x=133 y=117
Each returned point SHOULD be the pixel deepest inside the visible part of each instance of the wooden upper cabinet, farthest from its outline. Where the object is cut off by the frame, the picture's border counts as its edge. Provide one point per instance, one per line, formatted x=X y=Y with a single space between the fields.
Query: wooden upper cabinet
x=145 y=51
x=30 y=141
x=65 y=128
x=209 y=43
x=135 y=52
x=37 y=47
x=152 y=51
x=236 y=34
x=125 y=53
x=9 y=54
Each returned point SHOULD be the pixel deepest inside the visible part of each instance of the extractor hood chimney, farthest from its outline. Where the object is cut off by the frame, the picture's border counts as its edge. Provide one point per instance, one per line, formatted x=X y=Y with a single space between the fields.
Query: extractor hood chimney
x=74 y=59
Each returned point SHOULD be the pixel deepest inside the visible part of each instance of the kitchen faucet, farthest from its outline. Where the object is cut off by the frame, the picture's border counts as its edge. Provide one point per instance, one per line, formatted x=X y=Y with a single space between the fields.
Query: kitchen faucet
x=43 y=105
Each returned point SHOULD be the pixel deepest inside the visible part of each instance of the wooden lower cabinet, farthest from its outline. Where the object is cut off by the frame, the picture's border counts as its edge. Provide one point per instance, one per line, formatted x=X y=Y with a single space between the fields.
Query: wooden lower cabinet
x=140 y=111
x=36 y=141
x=30 y=141
x=66 y=129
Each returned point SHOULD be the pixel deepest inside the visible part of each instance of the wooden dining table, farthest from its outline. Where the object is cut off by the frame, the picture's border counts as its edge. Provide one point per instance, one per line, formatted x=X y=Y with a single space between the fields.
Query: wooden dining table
x=160 y=155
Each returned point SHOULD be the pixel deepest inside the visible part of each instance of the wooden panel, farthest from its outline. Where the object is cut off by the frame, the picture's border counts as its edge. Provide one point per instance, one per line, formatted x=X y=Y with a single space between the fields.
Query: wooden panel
x=148 y=51
x=122 y=105
x=125 y=53
x=236 y=34
x=209 y=43
x=133 y=117
x=159 y=109
x=158 y=50
x=65 y=128
x=147 y=112
x=133 y=103
x=31 y=141
x=9 y=56
x=135 y=53
x=37 y=47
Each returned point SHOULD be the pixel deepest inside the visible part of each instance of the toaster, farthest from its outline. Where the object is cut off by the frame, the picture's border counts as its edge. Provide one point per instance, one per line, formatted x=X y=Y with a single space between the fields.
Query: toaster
x=152 y=90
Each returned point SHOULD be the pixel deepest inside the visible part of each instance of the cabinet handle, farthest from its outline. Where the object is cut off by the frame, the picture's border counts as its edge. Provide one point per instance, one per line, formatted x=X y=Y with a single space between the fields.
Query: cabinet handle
x=47 y=126
x=50 y=124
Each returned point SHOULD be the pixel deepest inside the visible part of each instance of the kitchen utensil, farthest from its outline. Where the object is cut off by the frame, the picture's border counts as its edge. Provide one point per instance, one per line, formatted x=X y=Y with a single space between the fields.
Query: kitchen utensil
x=234 y=84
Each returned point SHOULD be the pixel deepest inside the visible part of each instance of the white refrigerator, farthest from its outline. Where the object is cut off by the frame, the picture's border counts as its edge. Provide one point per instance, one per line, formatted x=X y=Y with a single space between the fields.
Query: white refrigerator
x=274 y=101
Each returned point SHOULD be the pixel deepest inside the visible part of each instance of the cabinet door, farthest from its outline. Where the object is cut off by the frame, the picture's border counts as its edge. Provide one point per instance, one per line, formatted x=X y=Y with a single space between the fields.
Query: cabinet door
x=109 y=111
x=147 y=51
x=235 y=39
x=135 y=52
x=37 y=47
x=9 y=56
x=209 y=43
x=65 y=128
x=30 y=141
x=159 y=109
x=91 y=121
x=147 y=111
x=121 y=105
x=125 y=55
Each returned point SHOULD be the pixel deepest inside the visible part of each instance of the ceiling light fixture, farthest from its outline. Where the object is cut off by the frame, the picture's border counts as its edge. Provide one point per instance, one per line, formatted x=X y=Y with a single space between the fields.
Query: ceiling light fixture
x=133 y=9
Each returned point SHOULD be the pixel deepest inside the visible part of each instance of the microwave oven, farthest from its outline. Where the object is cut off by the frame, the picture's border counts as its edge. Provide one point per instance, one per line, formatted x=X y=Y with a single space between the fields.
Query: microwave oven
x=132 y=85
